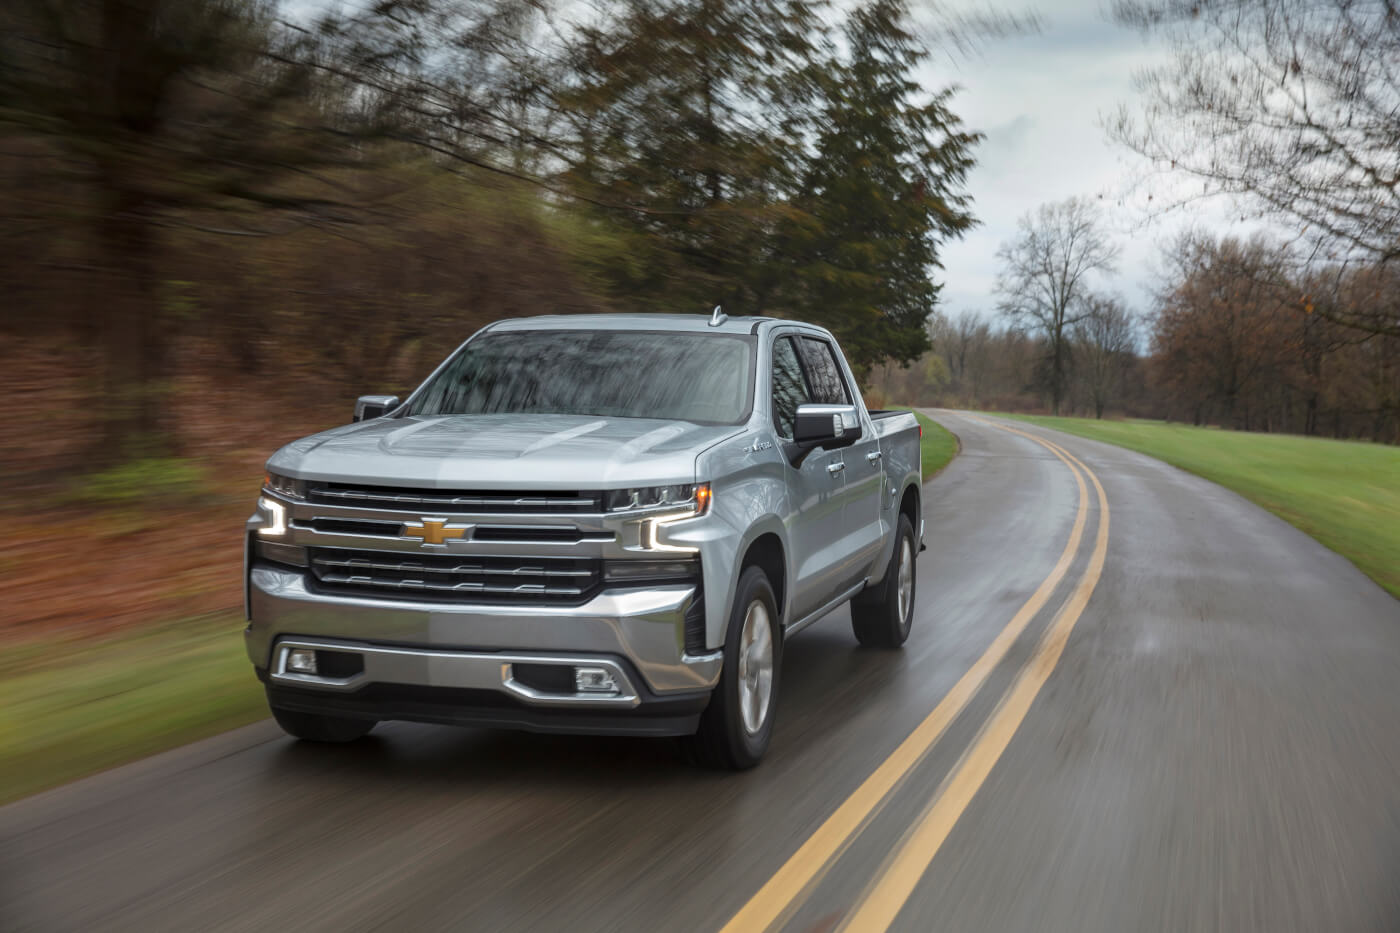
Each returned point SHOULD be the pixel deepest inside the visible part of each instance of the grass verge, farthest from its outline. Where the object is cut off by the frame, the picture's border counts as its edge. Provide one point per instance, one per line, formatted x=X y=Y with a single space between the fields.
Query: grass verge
x=75 y=708
x=937 y=447
x=1344 y=493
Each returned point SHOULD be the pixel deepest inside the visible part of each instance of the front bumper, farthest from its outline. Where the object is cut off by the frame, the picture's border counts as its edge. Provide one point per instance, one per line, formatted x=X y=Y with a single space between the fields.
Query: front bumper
x=477 y=689
x=640 y=632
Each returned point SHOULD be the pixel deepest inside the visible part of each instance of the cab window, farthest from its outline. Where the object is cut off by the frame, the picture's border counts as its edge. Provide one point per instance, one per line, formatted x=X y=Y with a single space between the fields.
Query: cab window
x=789 y=386
x=824 y=373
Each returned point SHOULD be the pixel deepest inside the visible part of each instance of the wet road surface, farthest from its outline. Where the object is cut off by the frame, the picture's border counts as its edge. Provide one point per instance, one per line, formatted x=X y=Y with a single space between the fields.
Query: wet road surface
x=1131 y=701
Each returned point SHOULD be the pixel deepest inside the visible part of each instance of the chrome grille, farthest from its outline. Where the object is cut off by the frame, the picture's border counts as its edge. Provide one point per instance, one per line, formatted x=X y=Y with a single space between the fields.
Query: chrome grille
x=341 y=526
x=491 y=579
x=448 y=501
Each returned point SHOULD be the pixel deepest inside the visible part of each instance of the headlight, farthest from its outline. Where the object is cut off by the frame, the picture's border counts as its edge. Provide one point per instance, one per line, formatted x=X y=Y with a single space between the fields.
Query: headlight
x=285 y=485
x=694 y=498
x=273 y=516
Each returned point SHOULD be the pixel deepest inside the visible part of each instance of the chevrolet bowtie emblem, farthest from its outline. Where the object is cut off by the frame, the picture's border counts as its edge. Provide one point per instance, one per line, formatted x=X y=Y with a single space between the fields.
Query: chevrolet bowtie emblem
x=435 y=531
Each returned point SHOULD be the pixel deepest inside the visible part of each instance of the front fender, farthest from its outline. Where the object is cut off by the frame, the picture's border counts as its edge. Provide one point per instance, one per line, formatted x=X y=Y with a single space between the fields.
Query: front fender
x=750 y=500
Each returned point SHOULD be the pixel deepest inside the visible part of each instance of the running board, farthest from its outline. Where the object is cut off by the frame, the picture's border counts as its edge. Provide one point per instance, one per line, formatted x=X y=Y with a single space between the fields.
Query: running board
x=817 y=616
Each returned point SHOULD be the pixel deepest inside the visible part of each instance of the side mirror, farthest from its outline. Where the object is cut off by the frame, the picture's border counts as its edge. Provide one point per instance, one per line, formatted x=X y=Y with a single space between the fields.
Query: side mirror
x=829 y=426
x=373 y=406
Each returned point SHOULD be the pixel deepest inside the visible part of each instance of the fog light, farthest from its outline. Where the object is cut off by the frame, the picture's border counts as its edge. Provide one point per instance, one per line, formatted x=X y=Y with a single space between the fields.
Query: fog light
x=625 y=571
x=293 y=554
x=594 y=680
x=301 y=661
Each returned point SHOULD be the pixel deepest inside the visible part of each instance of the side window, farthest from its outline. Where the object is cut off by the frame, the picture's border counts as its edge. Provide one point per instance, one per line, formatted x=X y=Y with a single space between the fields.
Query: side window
x=828 y=388
x=789 y=386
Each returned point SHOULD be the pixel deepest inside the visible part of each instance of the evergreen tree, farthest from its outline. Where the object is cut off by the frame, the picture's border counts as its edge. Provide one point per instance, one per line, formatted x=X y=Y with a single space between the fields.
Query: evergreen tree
x=881 y=194
x=686 y=117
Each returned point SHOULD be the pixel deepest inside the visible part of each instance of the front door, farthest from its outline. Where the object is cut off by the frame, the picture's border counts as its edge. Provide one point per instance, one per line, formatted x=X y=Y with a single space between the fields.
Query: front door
x=815 y=489
x=860 y=535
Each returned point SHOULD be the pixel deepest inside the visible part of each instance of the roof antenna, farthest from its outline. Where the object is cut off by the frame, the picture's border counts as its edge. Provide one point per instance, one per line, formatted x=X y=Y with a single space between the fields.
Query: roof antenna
x=718 y=318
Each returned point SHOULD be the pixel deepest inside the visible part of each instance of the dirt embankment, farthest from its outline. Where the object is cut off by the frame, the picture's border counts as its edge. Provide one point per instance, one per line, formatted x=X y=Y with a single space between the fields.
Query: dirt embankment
x=85 y=554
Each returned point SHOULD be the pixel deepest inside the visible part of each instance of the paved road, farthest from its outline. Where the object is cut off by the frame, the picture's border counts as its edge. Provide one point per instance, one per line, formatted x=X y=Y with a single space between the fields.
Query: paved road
x=1210 y=742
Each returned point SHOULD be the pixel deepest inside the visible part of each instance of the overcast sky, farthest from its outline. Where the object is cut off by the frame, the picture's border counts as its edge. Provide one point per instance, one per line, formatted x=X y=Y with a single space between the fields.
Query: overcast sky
x=1041 y=99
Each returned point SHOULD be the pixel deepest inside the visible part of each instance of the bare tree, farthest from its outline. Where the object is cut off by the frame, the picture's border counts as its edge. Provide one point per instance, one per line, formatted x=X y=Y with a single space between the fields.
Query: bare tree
x=961 y=344
x=1106 y=335
x=955 y=339
x=966 y=329
x=1224 y=330
x=1292 y=108
x=1045 y=272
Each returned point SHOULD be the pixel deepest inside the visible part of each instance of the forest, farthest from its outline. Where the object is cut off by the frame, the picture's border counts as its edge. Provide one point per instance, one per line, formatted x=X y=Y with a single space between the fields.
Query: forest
x=224 y=219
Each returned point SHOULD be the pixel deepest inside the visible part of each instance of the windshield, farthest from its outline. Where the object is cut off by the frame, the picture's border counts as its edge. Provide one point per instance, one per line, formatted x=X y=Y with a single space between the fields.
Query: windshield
x=703 y=378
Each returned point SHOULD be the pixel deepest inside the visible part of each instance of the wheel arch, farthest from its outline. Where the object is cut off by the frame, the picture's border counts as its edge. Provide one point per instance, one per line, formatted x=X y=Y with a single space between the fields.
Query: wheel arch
x=768 y=553
x=910 y=504
x=764 y=544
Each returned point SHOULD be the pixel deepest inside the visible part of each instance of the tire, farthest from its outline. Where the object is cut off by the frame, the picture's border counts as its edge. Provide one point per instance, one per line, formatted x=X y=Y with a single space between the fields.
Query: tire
x=882 y=615
x=737 y=725
x=313 y=727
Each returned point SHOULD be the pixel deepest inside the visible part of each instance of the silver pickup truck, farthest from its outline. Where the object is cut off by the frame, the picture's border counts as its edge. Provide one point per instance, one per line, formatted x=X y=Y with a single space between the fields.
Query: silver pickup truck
x=589 y=524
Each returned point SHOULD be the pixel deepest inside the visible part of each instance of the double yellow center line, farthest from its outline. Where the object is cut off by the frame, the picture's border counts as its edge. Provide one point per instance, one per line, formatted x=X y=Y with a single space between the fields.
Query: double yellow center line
x=881 y=902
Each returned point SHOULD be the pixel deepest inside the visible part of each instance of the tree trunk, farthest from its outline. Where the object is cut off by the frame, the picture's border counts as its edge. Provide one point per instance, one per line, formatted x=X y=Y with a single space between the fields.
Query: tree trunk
x=133 y=335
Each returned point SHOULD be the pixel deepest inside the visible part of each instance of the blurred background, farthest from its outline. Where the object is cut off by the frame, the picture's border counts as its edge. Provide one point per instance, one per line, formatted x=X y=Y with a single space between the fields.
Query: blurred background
x=224 y=219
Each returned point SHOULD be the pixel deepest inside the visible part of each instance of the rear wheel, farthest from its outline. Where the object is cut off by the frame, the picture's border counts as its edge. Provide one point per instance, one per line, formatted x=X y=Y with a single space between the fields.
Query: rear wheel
x=736 y=727
x=314 y=727
x=882 y=615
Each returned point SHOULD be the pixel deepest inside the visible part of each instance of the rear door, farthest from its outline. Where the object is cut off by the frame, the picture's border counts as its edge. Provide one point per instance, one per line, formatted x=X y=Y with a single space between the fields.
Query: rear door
x=815 y=490
x=861 y=536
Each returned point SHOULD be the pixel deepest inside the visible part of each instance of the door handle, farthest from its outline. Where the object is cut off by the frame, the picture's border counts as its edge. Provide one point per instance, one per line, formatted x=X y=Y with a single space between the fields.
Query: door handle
x=834 y=468
x=873 y=456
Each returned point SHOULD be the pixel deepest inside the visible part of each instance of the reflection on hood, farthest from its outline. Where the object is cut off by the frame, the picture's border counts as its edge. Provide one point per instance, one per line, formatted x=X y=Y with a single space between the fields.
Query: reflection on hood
x=503 y=450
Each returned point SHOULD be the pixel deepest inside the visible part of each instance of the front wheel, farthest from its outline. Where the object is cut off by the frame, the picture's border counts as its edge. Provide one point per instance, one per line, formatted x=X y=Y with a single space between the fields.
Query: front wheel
x=882 y=615
x=736 y=727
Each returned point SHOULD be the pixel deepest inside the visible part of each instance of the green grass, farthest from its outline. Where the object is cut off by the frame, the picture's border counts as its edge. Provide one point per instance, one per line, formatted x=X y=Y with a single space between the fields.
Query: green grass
x=71 y=709
x=938 y=446
x=1345 y=494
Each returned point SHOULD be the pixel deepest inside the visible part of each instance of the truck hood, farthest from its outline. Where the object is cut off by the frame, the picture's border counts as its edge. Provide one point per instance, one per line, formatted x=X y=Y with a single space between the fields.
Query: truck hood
x=503 y=452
